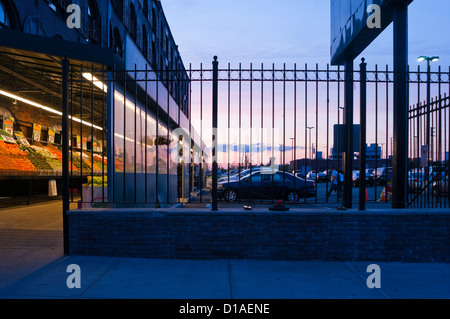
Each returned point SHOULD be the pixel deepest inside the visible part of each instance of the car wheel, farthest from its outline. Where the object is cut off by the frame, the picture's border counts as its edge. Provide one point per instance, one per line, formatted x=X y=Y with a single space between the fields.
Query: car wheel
x=230 y=195
x=293 y=196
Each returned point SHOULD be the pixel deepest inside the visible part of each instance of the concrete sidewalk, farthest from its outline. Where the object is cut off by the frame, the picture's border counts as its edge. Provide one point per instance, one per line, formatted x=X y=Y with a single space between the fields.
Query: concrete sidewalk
x=134 y=278
x=32 y=265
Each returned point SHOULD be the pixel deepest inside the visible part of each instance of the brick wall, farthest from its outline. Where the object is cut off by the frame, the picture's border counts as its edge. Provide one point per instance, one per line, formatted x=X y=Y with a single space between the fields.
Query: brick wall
x=388 y=235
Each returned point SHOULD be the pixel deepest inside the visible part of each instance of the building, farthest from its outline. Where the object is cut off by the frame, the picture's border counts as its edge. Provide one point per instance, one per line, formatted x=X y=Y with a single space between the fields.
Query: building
x=120 y=46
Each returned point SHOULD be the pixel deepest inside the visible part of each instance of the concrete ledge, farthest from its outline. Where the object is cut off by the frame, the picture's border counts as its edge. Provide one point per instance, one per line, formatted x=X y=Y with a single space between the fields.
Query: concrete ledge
x=385 y=235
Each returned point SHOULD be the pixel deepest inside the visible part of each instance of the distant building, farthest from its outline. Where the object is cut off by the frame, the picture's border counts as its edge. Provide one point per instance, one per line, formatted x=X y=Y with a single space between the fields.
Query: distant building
x=373 y=151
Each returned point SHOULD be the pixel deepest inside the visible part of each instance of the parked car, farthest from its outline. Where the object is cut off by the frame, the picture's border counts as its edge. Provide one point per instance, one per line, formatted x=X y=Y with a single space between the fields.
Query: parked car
x=317 y=176
x=417 y=181
x=382 y=175
x=237 y=174
x=281 y=185
x=311 y=175
x=370 y=180
x=299 y=174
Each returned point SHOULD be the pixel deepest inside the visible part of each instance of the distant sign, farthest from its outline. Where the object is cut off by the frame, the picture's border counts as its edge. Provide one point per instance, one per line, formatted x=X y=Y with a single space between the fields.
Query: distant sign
x=424 y=156
x=355 y=24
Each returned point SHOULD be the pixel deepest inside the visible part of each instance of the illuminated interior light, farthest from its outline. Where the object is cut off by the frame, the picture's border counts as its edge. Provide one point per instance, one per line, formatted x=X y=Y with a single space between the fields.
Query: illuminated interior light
x=18 y=98
x=97 y=82
x=46 y=108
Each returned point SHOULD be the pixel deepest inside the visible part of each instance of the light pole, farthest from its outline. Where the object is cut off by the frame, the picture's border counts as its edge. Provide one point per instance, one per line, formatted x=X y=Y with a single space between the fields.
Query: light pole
x=310 y=142
x=293 y=152
x=428 y=59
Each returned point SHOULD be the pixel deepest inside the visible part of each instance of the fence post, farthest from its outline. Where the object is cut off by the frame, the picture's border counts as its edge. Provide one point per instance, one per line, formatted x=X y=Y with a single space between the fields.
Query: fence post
x=215 y=132
x=401 y=95
x=348 y=136
x=362 y=137
x=65 y=151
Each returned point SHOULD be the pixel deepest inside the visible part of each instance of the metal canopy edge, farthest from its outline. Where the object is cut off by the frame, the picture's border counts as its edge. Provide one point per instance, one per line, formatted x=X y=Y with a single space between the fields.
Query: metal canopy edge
x=82 y=52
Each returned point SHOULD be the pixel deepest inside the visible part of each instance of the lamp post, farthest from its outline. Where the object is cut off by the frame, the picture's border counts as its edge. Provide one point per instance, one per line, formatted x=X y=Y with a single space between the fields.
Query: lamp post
x=310 y=148
x=293 y=153
x=428 y=123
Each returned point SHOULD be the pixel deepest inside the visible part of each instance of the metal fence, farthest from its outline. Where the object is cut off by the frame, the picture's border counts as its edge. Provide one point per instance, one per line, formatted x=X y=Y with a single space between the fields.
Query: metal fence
x=165 y=143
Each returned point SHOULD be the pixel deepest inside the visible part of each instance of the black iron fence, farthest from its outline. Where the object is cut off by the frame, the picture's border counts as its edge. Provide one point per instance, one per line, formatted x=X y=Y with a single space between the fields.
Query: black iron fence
x=279 y=135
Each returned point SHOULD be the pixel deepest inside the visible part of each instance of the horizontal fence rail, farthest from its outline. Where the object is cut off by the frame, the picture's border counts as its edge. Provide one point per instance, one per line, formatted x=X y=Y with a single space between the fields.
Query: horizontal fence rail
x=279 y=135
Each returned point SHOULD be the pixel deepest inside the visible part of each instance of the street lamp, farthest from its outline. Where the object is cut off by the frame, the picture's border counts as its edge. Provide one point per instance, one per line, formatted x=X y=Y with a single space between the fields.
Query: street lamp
x=428 y=59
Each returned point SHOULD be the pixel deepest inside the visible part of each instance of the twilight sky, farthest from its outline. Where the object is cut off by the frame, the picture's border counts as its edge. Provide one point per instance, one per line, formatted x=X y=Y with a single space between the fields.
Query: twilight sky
x=296 y=31
x=291 y=31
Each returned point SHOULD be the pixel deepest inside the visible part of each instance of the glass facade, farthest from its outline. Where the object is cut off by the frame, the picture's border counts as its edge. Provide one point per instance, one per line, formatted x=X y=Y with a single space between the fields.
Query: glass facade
x=146 y=156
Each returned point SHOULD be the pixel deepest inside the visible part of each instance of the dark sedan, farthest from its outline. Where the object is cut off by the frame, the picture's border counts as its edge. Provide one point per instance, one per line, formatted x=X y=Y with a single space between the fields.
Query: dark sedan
x=278 y=185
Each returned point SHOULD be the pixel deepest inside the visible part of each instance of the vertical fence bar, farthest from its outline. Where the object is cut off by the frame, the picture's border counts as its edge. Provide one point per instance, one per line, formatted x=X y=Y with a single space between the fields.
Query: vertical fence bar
x=362 y=137
x=348 y=121
x=306 y=125
x=251 y=127
x=92 y=134
x=273 y=129
x=387 y=137
x=240 y=126
x=125 y=133
x=81 y=131
x=328 y=130
x=201 y=134
x=65 y=152
x=215 y=102
x=317 y=131
x=294 y=157
x=262 y=122
x=168 y=83
x=439 y=137
x=401 y=97
x=338 y=129
x=417 y=171
x=376 y=132
x=70 y=144
x=284 y=129
x=146 y=135
x=229 y=119
x=103 y=133
x=158 y=203
x=111 y=154
x=135 y=133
